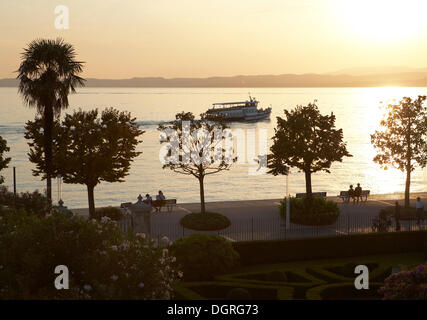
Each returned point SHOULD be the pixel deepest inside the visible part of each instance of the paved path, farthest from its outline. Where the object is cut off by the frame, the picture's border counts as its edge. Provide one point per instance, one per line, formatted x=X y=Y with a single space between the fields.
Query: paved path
x=259 y=219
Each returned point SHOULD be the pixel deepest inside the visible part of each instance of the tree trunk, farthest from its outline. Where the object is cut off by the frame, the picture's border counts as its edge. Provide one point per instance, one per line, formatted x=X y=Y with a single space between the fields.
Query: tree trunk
x=48 y=123
x=408 y=163
x=91 y=200
x=202 y=195
x=407 y=186
x=308 y=189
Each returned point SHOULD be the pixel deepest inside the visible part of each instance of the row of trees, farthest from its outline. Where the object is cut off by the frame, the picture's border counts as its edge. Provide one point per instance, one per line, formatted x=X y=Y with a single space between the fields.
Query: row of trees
x=87 y=149
x=308 y=141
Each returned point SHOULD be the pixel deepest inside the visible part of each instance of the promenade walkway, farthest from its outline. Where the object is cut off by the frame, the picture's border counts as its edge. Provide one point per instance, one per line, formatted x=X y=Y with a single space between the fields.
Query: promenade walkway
x=259 y=219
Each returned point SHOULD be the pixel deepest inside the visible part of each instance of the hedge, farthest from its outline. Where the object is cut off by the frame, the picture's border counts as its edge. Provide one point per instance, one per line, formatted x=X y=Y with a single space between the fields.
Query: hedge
x=375 y=274
x=307 y=279
x=208 y=221
x=324 y=292
x=188 y=290
x=276 y=251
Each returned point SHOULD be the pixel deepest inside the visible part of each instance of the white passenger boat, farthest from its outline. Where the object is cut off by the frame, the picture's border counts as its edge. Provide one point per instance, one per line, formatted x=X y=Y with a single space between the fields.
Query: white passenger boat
x=239 y=111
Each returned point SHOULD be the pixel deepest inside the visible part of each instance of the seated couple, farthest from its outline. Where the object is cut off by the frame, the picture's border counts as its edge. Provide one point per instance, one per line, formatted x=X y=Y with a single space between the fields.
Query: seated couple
x=158 y=203
x=355 y=194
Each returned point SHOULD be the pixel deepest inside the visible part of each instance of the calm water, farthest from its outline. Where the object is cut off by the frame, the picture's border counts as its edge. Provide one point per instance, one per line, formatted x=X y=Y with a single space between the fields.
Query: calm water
x=357 y=111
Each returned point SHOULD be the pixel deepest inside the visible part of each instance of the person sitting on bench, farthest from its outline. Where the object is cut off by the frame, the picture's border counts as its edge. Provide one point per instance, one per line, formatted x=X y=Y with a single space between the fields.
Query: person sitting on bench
x=148 y=199
x=160 y=199
x=358 y=193
x=351 y=194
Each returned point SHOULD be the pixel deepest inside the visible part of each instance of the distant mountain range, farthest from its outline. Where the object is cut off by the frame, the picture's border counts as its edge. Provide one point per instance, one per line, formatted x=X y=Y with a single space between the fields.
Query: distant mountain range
x=357 y=77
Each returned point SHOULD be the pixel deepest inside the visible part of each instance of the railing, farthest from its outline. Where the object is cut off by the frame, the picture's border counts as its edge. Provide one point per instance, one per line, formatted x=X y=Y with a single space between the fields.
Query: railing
x=256 y=228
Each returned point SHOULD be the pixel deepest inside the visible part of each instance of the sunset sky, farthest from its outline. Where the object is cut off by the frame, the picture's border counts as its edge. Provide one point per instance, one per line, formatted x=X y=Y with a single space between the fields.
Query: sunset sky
x=200 y=38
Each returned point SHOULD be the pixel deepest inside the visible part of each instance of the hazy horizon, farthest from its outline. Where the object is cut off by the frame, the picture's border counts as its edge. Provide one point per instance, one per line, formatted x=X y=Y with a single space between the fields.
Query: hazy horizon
x=221 y=38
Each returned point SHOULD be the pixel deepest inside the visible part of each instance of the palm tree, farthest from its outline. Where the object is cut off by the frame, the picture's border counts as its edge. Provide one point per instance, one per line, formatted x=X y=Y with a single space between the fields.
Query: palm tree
x=47 y=74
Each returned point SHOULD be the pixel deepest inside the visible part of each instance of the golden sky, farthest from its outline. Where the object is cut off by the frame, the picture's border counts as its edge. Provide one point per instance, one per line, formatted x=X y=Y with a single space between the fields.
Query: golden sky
x=200 y=38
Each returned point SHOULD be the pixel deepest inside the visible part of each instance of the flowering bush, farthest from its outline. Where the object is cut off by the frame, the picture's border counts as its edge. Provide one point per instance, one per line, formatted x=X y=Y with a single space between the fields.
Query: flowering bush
x=406 y=285
x=103 y=262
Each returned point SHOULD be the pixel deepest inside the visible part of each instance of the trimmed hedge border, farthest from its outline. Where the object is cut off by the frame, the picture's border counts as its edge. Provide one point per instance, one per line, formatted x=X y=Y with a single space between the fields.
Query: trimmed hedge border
x=239 y=277
x=324 y=274
x=276 y=251
x=316 y=292
x=184 y=289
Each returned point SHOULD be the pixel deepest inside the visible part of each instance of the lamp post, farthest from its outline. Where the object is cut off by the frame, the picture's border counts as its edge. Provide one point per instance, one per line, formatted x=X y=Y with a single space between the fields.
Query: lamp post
x=59 y=180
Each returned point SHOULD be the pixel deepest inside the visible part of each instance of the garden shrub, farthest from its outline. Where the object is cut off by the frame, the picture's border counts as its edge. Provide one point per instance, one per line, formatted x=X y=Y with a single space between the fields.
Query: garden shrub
x=208 y=221
x=343 y=291
x=383 y=222
x=111 y=212
x=202 y=256
x=30 y=202
x=219 y=290
x=103 y=262
x=411 y=284
x=319 y=212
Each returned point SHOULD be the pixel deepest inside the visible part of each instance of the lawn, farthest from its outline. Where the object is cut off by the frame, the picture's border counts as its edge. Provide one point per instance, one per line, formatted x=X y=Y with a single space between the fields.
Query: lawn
x=317 y=279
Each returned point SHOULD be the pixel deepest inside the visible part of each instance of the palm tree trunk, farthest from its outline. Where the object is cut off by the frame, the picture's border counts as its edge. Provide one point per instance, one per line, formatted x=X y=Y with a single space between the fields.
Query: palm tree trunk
x=91 y=200
x=202 y=195
x=48 y=123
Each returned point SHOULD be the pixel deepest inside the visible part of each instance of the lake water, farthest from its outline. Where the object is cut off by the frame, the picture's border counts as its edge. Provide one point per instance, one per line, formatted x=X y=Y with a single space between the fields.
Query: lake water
x=356 y=109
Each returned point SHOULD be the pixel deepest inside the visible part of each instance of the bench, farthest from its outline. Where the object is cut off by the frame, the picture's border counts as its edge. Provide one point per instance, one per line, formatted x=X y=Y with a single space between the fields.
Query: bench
x=168 y=203
x=345 y=197
x=315 y=195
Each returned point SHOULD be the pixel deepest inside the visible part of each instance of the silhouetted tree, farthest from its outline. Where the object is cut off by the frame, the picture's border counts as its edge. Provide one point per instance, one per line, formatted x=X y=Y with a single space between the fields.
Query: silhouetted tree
x=195 y=147
x=3 y=160
x=88 y=149
x=47 y=74
x=307 y=140
x=402 y=140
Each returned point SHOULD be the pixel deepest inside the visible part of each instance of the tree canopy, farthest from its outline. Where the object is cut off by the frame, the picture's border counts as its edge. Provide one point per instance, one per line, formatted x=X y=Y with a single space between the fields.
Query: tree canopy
x=47 y=74
x=307 y=140
x=402 y=140
x=4 y=161
x=195 y=147
x=89 y=149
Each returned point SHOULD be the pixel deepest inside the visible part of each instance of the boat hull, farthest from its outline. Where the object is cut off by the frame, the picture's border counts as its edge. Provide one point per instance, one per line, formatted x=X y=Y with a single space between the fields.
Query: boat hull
x=248 y=117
